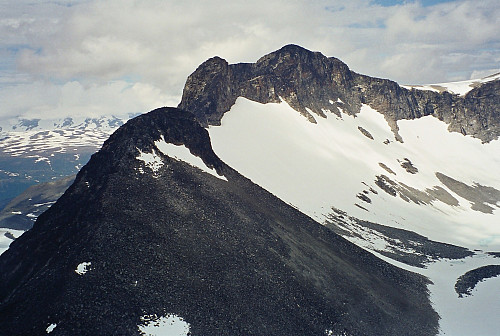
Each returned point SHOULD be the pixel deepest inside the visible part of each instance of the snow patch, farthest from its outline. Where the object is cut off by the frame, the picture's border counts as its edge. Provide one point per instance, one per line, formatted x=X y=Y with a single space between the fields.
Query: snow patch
x=6 y=237
x=40 y=159
x=182 y=153
x=43 y=204
x=51 y=328
x=329 y=332
x=178 y=152
x=83 y=268
x=152 y=160
x=171 y=325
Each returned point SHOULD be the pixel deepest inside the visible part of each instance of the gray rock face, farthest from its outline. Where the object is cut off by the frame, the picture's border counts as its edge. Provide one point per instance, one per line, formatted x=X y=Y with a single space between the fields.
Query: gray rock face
x=300 y=77
x=306 y=79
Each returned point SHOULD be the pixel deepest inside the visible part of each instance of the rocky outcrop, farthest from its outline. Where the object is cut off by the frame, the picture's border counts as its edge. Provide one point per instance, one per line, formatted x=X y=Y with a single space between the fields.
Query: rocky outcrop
x=314 y=84
x=302 y=78
x=468 y=281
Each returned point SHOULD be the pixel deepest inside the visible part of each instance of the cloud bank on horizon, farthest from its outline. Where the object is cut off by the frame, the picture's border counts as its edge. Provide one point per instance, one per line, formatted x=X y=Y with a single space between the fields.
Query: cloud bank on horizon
x=67 y=57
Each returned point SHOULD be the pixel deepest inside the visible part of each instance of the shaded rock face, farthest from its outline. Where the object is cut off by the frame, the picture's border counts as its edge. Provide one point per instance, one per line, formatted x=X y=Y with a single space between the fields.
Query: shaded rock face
x=476 y=114
x=313 y=83
x=300 y=77
x=226 y=256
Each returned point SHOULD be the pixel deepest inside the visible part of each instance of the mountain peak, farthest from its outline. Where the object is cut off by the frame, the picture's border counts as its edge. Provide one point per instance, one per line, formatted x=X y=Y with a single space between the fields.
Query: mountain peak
x=293 y=50
x=291 y=73
x=309 y=81
x=213 y=64
x=297 y=52
x=157 y=229
x=168 y=124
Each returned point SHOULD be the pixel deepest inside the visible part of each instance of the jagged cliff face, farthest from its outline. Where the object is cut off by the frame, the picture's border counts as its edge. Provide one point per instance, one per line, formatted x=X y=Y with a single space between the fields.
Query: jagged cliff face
x=308 y=81
x=144 y=233
x=302 y=78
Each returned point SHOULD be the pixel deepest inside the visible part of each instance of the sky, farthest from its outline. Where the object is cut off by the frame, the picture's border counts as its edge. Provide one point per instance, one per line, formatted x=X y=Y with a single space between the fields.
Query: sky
x=100 y=57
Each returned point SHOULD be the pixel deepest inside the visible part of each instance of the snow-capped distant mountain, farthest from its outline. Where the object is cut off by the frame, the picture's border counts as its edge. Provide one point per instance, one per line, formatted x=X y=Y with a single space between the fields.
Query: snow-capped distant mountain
x=104 y=124
x=39 y=139
x=35 y=150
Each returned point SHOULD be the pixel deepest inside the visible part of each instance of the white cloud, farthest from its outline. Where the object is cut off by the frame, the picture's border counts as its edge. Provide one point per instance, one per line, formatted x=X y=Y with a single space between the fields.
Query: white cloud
x=41 y=99
x=444 y=42
x=159 y=43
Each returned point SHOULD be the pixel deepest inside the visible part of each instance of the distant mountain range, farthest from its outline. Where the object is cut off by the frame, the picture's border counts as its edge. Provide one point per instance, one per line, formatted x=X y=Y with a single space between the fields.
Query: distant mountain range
x=291 y=196
x=34 y=150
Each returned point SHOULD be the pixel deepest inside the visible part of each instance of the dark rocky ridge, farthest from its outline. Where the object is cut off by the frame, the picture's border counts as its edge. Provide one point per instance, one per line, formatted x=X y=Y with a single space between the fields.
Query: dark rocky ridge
x=306 y=79
x=228 y=257
x=467 y=282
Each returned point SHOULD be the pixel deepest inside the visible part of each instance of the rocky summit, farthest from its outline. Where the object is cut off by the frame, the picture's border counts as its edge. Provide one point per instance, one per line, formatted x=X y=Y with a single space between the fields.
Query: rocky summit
x=308 y=81
x=143 y=237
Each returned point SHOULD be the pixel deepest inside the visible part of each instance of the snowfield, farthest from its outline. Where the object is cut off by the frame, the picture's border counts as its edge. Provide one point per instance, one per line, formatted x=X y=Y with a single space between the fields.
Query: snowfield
x=182 y=153
x=461 y=88
x=439 y=180
x=178 y=152
x=319 y=166
x=476 y=314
